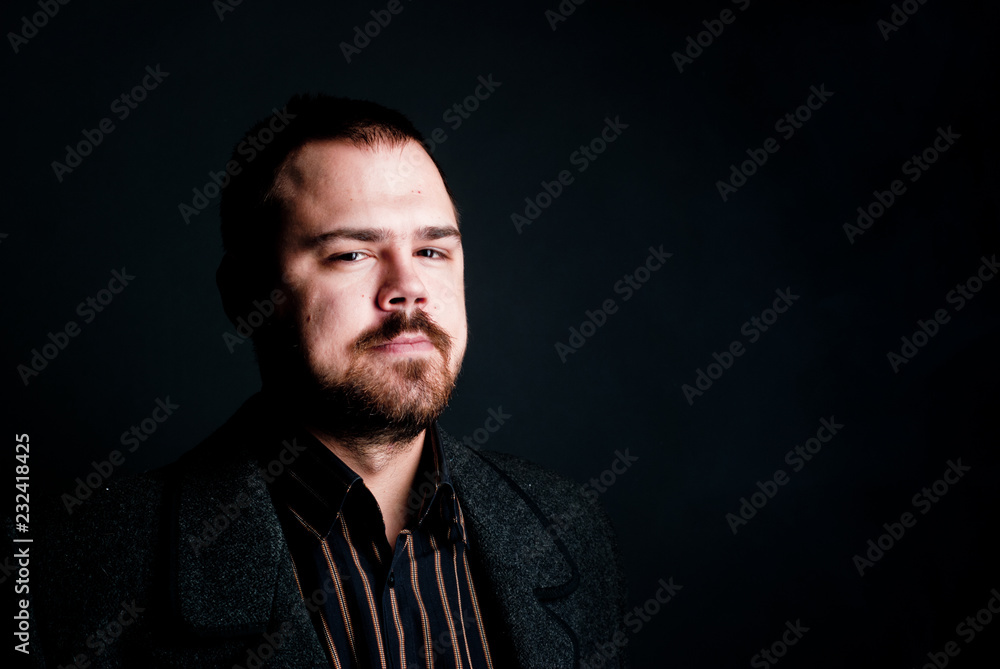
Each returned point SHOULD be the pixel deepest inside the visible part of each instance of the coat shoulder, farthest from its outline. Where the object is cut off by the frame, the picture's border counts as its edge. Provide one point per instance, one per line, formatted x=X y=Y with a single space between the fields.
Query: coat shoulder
x=569 y=512
x=560 y=499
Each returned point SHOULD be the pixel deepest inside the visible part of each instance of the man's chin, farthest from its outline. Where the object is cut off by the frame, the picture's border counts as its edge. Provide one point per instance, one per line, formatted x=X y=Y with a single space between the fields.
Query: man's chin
x=382 y=406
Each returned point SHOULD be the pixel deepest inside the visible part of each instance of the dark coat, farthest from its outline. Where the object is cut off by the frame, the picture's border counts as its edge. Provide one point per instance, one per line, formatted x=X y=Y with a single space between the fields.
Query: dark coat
x=136 y=580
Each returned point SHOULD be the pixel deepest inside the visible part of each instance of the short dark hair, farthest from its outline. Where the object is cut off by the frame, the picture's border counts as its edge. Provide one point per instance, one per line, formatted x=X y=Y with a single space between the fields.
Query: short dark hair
x=250 y=209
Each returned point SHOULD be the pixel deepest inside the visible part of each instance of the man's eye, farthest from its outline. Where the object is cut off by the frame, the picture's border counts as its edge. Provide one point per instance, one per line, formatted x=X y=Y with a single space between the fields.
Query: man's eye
x=431 y=253
x=351 y=256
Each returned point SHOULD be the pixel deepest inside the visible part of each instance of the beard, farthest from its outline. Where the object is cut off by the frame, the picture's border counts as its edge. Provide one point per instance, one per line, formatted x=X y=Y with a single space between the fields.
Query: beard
x=381 y=399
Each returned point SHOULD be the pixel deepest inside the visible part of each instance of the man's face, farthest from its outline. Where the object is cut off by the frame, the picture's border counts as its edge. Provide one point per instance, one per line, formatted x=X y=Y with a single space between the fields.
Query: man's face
x=372 y=260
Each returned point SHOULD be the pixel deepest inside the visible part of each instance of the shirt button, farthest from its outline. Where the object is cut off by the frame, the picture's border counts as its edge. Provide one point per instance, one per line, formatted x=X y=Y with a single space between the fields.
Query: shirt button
x=392 y=579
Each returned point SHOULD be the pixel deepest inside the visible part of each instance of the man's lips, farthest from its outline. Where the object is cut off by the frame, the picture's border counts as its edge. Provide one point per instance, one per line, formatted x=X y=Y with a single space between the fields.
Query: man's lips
x=405 y=344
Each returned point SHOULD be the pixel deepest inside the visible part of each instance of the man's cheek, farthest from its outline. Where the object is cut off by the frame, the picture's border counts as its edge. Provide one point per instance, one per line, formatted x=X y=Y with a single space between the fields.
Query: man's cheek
x=451 y=295
x=288 y=296
x=328 y=341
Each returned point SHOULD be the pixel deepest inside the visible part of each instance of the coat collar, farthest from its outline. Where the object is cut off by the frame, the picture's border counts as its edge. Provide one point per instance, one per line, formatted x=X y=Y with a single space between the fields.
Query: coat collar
x=232 y=573
x=528 y=566
x=229 y=549
x=232 y=568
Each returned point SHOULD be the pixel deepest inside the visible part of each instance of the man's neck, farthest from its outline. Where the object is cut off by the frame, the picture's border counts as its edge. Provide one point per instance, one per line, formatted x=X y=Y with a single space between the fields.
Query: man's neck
x=389 y=472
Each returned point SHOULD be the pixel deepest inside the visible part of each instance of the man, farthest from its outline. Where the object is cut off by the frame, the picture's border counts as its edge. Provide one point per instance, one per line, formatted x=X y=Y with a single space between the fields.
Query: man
x=330 y=521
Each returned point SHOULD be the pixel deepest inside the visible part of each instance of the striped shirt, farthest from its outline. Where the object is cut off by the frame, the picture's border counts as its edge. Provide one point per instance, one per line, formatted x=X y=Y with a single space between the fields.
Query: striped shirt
x=411 y=606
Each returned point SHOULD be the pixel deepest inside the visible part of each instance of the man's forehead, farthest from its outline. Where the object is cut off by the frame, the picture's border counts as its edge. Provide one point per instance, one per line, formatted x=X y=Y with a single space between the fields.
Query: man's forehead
x=325 y=170
x=340 y=160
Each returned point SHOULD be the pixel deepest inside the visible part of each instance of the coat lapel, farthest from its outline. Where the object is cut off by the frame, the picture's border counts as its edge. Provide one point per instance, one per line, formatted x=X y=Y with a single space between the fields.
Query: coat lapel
x=229 y=546
x=528 y=567
x=232 y=571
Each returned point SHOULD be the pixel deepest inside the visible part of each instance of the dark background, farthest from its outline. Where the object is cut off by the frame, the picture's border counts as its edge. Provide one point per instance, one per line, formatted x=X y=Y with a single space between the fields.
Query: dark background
x=655 y=185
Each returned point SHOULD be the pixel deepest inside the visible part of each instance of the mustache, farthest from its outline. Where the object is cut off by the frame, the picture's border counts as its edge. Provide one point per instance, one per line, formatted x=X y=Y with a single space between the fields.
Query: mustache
x=399 y=322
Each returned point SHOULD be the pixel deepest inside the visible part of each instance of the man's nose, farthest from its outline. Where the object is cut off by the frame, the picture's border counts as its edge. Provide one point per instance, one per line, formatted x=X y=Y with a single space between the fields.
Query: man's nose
x=402 y=288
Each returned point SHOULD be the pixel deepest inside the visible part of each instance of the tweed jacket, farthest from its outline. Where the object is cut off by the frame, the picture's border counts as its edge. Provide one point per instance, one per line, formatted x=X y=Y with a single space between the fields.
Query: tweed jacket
x=187 y=566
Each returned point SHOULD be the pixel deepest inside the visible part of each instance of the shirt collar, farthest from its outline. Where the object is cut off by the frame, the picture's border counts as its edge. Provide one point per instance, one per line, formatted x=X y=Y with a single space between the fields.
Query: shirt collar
x=316 y=484
x=438 y=508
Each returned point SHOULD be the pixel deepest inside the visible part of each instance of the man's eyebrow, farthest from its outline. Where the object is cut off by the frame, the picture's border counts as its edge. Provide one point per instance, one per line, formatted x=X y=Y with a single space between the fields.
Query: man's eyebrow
x=378 y=235
x=432 y=232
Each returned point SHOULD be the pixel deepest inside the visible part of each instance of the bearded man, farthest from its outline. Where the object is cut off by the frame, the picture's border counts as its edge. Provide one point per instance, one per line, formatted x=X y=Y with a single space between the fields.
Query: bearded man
x=331 y=522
